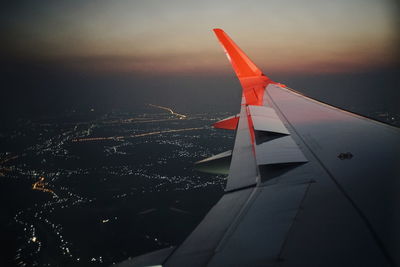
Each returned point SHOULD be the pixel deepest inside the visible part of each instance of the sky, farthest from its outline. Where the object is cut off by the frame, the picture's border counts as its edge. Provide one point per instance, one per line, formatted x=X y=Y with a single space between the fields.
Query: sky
x=174 y=38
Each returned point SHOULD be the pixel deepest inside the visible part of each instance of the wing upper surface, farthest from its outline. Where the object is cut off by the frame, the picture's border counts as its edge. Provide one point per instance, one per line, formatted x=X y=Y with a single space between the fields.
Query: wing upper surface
x=361 y=157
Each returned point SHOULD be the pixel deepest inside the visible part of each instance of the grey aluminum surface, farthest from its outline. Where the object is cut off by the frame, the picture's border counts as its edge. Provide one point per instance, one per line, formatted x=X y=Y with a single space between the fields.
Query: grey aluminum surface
x=243 y=170
x=260 y=233
x=279 y=150
x=263 y=111
x=265 y=119
x=369 y=180
x=199 y=247
x=268 y=125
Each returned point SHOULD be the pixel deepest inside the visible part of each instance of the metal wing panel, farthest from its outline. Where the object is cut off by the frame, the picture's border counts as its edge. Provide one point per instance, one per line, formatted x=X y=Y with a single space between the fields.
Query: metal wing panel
x=199 y=247
x=266 y=119
x=243 y=169
x=278 y=151
x=261 y=231
x=263 y=111
x=268 y=125
x=369 y=177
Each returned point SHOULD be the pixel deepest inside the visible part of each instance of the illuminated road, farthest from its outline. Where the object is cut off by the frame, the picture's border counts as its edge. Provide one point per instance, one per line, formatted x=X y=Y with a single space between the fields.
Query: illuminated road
x=134 y=135
x=181 y=116
x=41 y=186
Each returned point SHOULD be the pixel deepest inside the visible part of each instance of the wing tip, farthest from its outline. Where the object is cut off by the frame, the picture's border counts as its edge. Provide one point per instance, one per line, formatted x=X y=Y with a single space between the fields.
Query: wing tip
x=219 y=32
x=241 y=63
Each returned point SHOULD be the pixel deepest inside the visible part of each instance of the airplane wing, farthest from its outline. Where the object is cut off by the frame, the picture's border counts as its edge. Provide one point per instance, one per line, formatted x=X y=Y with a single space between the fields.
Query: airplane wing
x=309 y=184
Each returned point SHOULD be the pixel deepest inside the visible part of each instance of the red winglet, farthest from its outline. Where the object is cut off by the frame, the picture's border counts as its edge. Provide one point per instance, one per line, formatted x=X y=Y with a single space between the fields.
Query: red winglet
x=242 y=65
x=250 y=76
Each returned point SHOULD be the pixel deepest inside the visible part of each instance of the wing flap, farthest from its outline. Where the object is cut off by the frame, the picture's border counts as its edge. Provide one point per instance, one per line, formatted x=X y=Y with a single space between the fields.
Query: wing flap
x=265 y=119
x=279 y=151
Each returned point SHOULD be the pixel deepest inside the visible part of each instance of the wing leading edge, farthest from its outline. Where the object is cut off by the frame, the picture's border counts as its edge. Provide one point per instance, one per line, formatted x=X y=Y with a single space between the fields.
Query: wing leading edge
x=308 y=185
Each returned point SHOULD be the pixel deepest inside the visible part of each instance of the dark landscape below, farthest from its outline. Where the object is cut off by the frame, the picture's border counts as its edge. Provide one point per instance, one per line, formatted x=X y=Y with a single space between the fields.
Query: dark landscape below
x=94 y=170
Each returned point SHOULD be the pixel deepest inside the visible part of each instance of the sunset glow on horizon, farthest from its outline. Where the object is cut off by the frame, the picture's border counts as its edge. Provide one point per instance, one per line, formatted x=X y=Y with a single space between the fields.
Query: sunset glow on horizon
x=176 y=37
